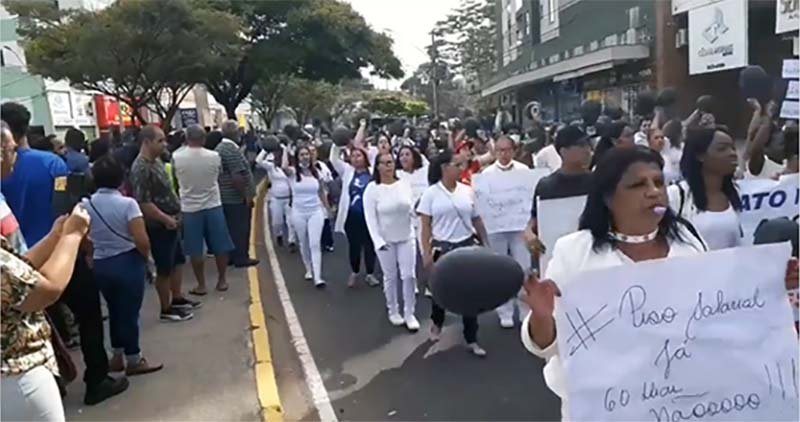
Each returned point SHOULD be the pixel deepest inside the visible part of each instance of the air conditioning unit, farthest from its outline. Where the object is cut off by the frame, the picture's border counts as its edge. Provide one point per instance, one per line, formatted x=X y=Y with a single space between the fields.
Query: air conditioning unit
x=634 y=18
x=681 y=38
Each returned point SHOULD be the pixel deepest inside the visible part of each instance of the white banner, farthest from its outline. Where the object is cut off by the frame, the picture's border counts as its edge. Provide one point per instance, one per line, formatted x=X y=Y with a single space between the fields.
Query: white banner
x=786 y=16
x=556 y=218
x=790 y=69
x=705 y=337
x=718 y=37
x=764 y=199
x=505 y=198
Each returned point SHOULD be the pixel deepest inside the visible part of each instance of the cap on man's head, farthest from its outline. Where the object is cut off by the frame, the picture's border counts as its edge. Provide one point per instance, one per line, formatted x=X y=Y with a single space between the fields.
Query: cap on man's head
x=571 y=136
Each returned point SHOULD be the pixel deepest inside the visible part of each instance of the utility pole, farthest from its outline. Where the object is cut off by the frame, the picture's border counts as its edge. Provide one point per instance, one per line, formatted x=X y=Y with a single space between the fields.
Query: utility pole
x=434 y=55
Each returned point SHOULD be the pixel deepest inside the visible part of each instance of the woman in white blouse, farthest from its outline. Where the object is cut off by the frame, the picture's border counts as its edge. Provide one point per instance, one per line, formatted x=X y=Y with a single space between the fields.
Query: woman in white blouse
x=280 y=195
x=388 y=209
x=449 y=221
x=708 y=197
x=309 y=209
x=626 y=220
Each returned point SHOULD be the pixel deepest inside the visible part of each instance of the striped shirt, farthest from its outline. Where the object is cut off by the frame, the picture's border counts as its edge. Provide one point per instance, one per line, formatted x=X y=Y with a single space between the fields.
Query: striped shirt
x=234 y=164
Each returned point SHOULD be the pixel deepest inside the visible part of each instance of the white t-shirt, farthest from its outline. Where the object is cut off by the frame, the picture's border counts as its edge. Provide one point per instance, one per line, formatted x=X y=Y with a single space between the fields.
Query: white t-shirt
x=573 y=254
x=720 y=229
x=305 y=194
x=388 y=210
x=547 y=158
x=418 y=180
x=279 y=182
x=197 y=170
x=451 y=212
x=514 y=165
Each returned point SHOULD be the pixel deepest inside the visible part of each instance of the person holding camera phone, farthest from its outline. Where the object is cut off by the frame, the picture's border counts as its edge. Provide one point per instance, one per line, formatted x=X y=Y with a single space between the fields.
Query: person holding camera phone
x=161 y=209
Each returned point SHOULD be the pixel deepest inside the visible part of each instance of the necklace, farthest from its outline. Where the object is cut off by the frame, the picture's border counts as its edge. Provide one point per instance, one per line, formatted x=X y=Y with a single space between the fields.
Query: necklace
x=626 y=238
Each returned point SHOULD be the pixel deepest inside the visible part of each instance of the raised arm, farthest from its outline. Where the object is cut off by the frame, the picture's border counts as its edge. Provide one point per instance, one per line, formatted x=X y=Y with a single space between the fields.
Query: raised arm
x=288 y=169
x=361 y=134
x=336 y=159
x=264 y=162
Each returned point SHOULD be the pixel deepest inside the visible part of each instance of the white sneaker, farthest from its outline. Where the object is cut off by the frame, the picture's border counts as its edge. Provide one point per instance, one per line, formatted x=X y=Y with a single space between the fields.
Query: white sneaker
x=319 y=283
x=411 y=323
x=396 y=319
x=507 y=322
x=308 y=276
x=476 y=350
x=372 y=281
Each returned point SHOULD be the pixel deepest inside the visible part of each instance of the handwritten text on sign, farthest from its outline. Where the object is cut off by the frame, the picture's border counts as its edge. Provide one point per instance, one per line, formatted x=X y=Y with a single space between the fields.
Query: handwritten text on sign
x=764 y=199
x=706 y=337
x=504 y=198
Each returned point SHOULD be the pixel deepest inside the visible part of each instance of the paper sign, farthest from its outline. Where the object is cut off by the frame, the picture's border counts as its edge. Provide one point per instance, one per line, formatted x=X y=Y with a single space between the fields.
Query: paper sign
x=765 y=199
x=704 y=337
x=787 y=16
x=793 y=90
x=790 y=110
x=791 y=69
x=504 y=198
x=718 y=37
x=555 y=218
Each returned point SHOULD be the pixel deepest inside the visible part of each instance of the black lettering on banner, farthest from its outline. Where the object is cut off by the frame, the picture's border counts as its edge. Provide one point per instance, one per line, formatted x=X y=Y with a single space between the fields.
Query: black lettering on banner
x=667 y=355
x=623 y=397
x=721 y=307
x=634 y=298
x=706 y=408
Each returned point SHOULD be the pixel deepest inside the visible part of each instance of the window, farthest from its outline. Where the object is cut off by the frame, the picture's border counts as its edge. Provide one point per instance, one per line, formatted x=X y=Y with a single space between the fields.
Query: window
x=552 y=10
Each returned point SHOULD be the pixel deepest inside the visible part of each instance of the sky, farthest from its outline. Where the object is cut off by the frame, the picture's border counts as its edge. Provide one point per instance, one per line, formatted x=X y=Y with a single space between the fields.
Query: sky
x=409 y=23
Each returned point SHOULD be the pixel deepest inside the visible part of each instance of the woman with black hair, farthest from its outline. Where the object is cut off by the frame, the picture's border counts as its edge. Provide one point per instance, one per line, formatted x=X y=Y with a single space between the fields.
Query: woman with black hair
x=708 y=197
x=449 y=220
x=121 y=247
x=388 y=209
x=616 y=134
x=309 y=208
x=626 y=219
x=413 y=168
x=350 y=215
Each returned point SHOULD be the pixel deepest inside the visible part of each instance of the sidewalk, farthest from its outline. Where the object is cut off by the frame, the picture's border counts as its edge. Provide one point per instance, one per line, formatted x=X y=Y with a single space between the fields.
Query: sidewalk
x=208 y=362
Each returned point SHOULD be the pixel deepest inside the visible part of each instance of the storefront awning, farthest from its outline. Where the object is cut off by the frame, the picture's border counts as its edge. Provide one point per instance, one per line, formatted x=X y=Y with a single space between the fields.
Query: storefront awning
x=584 y=64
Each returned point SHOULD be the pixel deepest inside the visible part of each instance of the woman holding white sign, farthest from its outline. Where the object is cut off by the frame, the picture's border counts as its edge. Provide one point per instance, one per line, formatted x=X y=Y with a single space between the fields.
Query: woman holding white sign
x=388 y=209
x=513 y=242
x=449 y=221
x=708 y=197
x=626 y=220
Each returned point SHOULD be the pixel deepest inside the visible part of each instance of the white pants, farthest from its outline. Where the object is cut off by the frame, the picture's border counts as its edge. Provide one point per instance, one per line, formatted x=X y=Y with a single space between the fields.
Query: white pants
x=32 y=396
x=512 y=243
x=309 y=234
x=399 y=257
x=279 y=216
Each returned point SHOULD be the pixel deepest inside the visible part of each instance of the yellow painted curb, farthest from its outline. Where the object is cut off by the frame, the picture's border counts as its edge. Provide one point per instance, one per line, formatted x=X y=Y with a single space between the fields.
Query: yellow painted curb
x=266 y=384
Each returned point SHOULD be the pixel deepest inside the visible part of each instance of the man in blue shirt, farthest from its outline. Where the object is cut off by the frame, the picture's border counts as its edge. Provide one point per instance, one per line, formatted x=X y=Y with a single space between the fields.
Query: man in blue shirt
x=29 y=189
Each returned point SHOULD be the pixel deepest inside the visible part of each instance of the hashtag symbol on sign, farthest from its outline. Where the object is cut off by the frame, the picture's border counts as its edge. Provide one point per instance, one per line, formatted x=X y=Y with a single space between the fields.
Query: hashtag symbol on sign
x=583 y=332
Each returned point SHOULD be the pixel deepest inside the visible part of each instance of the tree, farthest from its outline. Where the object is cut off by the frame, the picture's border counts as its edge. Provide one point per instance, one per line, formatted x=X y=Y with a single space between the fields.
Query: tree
x=388 y=105
x=311 y=39
x=310 y=99
x=452 y=95
x=132 y=51
x=468 y=36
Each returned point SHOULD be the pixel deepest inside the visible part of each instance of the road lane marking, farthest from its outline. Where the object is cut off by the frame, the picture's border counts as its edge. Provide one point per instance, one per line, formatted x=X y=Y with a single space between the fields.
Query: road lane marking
x=266 y=383
x=319 y=394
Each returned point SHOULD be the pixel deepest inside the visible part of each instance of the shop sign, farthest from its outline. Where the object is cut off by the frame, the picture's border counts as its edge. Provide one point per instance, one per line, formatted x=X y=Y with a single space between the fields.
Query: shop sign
x=787 y=16
x=718 y=37
x=60 y=108
x=83 y=106
x=189 y=117
x=680 y=6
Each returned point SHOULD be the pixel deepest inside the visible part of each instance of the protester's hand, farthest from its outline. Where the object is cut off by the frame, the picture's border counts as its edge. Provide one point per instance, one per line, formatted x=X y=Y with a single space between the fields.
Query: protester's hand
x=535 y=245
x=171 y=223
x=77 y=222
x=540 y=296
x=792 y=274
x=362 y=122
x=754 y=104
x=427 y=262
x=58 y=226
x=384 y=248
x=250 y=202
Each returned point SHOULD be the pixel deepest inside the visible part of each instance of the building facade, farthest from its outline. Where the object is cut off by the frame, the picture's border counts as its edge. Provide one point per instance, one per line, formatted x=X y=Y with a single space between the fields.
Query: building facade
x=561 y=52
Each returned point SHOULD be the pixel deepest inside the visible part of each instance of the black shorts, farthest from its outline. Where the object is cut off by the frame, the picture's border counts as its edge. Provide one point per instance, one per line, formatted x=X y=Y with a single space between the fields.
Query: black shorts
x=166 y=248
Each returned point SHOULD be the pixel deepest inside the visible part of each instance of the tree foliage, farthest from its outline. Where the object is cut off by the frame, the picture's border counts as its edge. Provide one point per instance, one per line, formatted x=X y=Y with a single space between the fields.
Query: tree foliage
x=143 y=56
x=467 y=39
x=311 y=39
x=452 y=96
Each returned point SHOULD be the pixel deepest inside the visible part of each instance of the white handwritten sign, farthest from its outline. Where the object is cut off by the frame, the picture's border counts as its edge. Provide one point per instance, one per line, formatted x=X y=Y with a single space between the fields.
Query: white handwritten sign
x=790 y=69
x=504 y=198
x=556 y=218
x=793 y=90
x=706 y=337
x=764 y=199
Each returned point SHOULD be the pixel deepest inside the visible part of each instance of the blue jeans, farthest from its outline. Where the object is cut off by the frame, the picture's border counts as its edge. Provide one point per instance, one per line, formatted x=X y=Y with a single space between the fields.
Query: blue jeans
x=121 y=279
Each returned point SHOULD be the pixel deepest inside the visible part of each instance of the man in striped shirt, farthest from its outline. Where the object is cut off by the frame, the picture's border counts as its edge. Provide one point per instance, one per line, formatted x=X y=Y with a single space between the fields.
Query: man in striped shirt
x=237 y=191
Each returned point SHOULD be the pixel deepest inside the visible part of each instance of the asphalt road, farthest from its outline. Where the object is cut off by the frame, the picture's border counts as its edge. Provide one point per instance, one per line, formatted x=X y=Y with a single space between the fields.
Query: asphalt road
x=374 y=371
